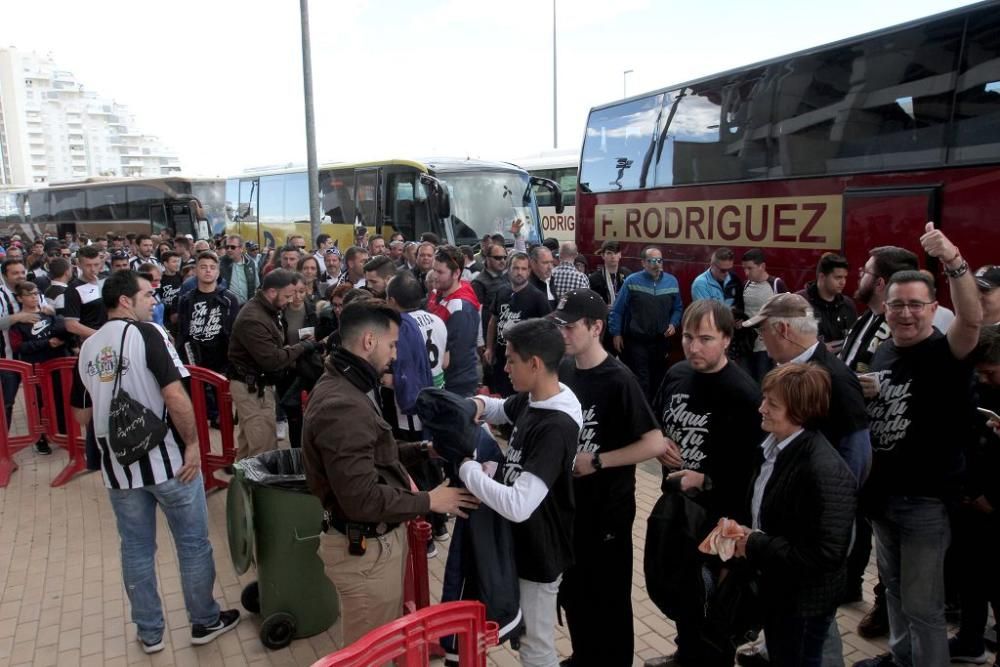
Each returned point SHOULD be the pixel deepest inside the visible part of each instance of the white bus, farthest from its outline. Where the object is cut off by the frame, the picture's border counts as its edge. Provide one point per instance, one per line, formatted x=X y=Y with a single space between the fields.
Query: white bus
x=559 y=166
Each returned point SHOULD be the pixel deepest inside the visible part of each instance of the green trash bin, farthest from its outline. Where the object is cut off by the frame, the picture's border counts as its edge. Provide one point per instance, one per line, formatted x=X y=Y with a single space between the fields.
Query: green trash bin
x=275 y=522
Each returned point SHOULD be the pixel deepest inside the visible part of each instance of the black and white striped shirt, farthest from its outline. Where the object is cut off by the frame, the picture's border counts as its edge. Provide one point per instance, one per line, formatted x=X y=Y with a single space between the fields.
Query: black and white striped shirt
x=150 y=363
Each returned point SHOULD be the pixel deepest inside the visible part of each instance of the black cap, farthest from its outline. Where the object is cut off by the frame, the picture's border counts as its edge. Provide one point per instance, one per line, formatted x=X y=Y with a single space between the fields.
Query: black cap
x=579 y=303
x=119 y=254
x=252 y=245
x=988 y=277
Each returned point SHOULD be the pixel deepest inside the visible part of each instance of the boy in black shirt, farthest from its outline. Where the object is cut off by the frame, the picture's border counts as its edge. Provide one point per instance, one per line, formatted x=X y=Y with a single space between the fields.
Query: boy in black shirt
x=533 y=488
x=708 y=409
x=619 y=431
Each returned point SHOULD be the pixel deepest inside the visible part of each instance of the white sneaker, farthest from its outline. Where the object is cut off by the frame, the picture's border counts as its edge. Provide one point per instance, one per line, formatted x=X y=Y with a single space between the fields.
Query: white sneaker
x=282 y=430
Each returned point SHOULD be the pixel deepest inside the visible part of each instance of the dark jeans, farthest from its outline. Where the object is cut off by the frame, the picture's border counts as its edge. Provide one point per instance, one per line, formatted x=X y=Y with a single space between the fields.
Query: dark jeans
x=796 y=641
x=861 y=551
x=976 y=541
x=596 y=592
x=92 y=451
x=647 y=359
x=10 y=382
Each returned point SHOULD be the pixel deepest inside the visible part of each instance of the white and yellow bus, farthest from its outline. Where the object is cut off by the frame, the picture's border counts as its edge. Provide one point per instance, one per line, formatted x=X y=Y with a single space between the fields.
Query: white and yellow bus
x=460 y=200
x=559 y=166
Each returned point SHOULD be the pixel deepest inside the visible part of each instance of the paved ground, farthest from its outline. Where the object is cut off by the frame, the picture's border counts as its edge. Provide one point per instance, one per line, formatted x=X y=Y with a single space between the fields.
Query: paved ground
x=62 y=601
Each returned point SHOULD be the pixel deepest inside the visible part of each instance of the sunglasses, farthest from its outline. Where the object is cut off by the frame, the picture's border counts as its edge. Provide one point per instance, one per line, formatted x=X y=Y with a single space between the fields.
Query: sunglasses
x=654 y=260
x=500 y=257
x=233 y=247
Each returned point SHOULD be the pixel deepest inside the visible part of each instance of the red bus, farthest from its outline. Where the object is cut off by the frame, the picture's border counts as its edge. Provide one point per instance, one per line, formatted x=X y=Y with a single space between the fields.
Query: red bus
x=840 y=148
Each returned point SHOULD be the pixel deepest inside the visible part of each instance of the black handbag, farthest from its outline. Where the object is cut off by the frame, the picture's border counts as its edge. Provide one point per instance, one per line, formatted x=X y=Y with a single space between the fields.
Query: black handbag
x=733 y=613
x=133 y=429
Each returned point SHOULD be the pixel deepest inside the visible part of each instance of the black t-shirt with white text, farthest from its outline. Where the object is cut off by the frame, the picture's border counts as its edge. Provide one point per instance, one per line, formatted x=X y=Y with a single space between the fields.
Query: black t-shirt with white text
x=921 y=420
x=206 y=331
x=615 y=414
x=713 y=419
x=543 y=442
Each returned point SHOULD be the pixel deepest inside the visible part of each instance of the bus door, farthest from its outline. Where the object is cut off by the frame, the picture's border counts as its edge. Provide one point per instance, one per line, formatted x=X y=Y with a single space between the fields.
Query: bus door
x=887 y=216
x=367 y=198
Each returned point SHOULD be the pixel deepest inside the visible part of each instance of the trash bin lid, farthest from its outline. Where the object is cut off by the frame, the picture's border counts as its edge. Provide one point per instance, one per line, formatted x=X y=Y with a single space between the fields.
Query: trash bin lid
x=239 y=524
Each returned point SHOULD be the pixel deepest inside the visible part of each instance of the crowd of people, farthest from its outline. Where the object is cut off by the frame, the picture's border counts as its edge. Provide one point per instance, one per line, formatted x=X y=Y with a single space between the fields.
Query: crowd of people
x=792 y=429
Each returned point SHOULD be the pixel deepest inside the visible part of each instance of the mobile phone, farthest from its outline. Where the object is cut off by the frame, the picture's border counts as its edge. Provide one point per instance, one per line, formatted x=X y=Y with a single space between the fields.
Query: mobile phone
x=989 y=414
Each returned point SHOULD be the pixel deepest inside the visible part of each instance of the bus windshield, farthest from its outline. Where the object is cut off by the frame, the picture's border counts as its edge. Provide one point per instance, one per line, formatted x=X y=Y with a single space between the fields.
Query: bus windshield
x=488 y=203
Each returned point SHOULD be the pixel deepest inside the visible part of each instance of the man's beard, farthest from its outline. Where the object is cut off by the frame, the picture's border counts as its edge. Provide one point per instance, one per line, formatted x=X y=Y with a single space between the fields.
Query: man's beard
x=864 y=294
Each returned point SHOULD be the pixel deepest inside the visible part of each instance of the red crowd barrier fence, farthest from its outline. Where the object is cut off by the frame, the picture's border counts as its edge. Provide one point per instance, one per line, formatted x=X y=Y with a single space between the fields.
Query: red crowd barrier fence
x=55 y=377
x=416 y=586
x=55 y=380
x=202 y=378
x=411 y=639
x=11 y=445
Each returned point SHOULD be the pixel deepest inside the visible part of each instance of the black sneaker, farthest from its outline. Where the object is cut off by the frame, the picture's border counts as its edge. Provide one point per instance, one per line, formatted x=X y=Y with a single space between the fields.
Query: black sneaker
x=441 y=533
x=966 y=653
x=875 y=623
x=42 y=447
x=432 y=549
x=150 y=648
x=203 y=634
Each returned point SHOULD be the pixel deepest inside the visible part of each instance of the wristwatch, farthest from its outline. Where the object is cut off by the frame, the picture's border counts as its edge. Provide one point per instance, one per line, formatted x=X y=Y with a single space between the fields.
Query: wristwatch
x=596 y=461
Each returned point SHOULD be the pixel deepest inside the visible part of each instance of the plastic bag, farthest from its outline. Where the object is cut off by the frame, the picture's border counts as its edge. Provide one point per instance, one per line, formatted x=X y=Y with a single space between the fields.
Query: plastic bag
x=281 y=468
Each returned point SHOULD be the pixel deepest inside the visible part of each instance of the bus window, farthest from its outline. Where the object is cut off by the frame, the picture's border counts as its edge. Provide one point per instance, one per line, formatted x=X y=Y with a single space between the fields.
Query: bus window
x=618 y=145
x=882 y=103
x=248 y=200
x=68 y=205
x=38 y=207
x=402 y=205
x=107 y=203
x=366 y=197
x=212 y=197
x=337 y=194
x=705 y=135
x=297 y=197
x=977 y=111
x=140 y=199
x=232 y=202
x=272 y=199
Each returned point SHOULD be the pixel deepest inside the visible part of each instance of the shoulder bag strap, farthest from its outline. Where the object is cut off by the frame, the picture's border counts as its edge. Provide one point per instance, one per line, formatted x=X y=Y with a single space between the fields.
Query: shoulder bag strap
x=121 y=355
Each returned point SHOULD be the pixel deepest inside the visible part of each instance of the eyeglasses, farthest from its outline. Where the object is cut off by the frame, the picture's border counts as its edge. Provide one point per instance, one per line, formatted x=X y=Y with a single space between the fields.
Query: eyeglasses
x=912 y=306
x=862 y=271
x=233 y=247
x=654 y=260
x=300 y=247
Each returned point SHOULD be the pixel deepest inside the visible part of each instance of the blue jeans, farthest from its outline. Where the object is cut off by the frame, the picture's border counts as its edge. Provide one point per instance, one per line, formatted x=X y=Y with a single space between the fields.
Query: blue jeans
x=187 y=515
x=911 y=537
x=796 y=641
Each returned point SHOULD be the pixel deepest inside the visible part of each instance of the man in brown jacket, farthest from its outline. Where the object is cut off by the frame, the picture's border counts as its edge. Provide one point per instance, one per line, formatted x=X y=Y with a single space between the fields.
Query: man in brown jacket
x=355 y=467
x=258 y=357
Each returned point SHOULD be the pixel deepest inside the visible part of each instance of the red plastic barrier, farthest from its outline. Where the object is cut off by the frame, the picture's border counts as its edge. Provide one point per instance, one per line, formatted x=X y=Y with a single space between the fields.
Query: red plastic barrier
x=410 y=640
x=211 y=462
x=59 y=372
x=416 y=585
x=11 y=445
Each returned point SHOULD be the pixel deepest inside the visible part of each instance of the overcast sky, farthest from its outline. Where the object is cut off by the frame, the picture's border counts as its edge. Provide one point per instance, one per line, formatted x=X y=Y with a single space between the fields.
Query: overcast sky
x=220 y=81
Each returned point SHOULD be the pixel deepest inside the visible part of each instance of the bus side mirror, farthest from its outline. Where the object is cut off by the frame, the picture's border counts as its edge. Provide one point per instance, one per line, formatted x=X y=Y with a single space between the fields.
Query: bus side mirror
x=552 y=187
x=439 y=194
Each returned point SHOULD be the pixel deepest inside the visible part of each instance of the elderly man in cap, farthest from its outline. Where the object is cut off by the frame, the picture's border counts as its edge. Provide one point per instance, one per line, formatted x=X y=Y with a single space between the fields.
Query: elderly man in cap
x=789 y=329
x=988 y=282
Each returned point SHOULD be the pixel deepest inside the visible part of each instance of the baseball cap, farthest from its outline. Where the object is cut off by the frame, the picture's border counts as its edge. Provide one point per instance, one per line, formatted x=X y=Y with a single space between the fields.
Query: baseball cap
x=988 y=277
x=252 y=245
x=579 y=303
x=119 y=254
x=781 y=305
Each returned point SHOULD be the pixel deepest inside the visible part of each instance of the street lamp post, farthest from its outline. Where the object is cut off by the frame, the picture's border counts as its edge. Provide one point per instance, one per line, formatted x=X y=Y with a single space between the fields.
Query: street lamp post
x=555 y=104
x=312 y=167
x=625 y=82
